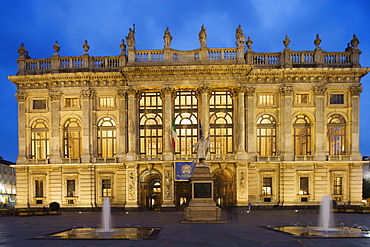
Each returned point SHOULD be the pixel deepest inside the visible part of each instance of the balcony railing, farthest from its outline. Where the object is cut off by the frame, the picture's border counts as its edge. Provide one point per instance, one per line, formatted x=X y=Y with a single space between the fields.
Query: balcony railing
x=285 y=59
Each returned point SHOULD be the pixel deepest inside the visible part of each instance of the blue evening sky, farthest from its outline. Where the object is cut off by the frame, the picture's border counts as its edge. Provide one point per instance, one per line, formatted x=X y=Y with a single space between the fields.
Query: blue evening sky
x=39 y=23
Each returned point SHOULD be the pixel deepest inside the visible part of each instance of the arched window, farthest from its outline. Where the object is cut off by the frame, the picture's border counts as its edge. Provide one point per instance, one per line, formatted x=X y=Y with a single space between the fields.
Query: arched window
x=336 y=135
x=302 y=135
x=221 y=123
x=186 y=122
x=72 y=138
x=39 y=139
x=151 y=124
x=107 y=138
x=266 y=135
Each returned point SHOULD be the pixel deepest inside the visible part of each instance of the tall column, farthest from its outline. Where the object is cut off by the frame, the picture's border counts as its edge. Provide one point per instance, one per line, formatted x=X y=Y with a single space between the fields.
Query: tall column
x=55 y=127
x=239 y=120
x=355 y=119
x=22 y=128
x=122 y=126
x=286 y=123
x=203 y=94
x=251 y=135
x=167 y=95
x=320 y=139
x=131 y=186
x=132 y=95
x=87 y=130
x=168 y=186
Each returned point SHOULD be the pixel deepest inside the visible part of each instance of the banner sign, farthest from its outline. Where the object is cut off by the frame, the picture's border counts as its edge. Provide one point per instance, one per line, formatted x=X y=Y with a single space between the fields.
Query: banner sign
x=184 y=170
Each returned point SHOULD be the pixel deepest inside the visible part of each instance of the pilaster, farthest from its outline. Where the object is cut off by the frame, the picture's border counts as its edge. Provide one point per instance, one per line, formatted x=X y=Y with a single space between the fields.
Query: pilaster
x=133 y=94
x=320 y=139
x=131 y=186
x=122 y=127
x=286 y=122
x=251 y=135
x=355 y=121
x=167 y=95
x=87 y=131
x=55 y=127
x=239 y=96
x=242 y=184
x=168 y=186
x=22 y=128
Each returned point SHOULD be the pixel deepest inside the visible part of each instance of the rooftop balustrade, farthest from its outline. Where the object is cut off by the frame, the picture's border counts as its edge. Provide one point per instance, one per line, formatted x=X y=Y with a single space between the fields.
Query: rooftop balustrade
x=171 y=57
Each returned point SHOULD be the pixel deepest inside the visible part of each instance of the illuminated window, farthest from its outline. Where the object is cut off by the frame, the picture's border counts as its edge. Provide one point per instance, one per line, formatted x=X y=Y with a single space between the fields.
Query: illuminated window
x=106 y=138
x=39 y=140
x=72 y=138
x=39 y=104
x=303 y=186
x=336 y=135
x=106 y=102
x=337 y=185
x=336 y=99
x=266 y=135
x=106 y=187
x=221 y=123
x=150 y=124
x=186 y=122
x=302 y=98
x=302 y=135
x=39 y=188
x=71 y=188
x=266 y=99
x=267 y=187
x=71 y=102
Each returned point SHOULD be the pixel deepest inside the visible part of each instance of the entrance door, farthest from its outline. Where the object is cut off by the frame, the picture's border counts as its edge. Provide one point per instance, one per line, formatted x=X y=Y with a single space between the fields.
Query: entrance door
x=151 y=192
x=223 y=189
x=183 y=194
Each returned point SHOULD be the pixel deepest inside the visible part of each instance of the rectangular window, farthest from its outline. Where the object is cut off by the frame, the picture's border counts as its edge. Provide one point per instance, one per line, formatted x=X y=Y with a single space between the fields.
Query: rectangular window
x=302 y=98
x=39 y=104
x=303 y=186
x=266 y=99
x=337 y=185
x=336 y=99
x=106 y=102
x=71 y=102
x=71 y=188
x=106 y=187
x=39 y=188
x=267 y=187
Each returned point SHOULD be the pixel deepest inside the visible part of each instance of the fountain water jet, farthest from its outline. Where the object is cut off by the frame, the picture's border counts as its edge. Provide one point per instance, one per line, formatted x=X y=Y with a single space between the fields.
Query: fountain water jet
x=106 y=217
x=326 y=215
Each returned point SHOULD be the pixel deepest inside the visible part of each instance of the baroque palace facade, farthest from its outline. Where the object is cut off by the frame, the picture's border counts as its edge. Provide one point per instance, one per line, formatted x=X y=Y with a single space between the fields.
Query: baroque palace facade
x=283 y=127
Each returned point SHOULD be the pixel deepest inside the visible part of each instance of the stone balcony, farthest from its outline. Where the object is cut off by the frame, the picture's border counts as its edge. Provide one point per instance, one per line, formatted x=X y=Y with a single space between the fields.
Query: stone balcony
x=202 y=56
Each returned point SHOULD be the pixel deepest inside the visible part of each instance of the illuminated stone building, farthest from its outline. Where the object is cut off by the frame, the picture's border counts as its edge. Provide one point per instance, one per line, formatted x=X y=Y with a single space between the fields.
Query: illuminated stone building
x=283 y=126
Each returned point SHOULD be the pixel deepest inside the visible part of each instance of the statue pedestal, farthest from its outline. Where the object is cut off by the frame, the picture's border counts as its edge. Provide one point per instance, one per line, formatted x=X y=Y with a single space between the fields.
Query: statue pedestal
x=202 y=208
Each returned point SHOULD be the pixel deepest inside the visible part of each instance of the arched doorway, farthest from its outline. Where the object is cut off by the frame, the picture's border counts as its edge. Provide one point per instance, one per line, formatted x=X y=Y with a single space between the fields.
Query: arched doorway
x=223 y=188
x=151 y=191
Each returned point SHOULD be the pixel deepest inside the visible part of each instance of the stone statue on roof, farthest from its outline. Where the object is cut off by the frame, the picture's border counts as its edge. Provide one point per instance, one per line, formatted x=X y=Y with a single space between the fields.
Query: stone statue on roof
x=130 y=39
x=203 y=37
x=240 y=37
x=355 y=41
x=167 y=38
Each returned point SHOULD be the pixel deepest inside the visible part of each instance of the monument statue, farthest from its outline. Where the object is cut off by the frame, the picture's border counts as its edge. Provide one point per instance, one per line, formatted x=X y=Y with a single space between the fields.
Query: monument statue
x=203 y=37
x=240 y=37
x=130 y=39
x=202 y=148
x=167 y=38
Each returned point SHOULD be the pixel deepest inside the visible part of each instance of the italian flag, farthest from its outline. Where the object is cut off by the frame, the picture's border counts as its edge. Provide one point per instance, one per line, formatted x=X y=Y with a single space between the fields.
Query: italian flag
x=174 y=135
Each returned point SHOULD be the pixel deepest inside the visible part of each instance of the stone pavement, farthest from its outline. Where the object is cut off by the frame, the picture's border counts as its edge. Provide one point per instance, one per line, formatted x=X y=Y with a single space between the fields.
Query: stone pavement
x=247 y=230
